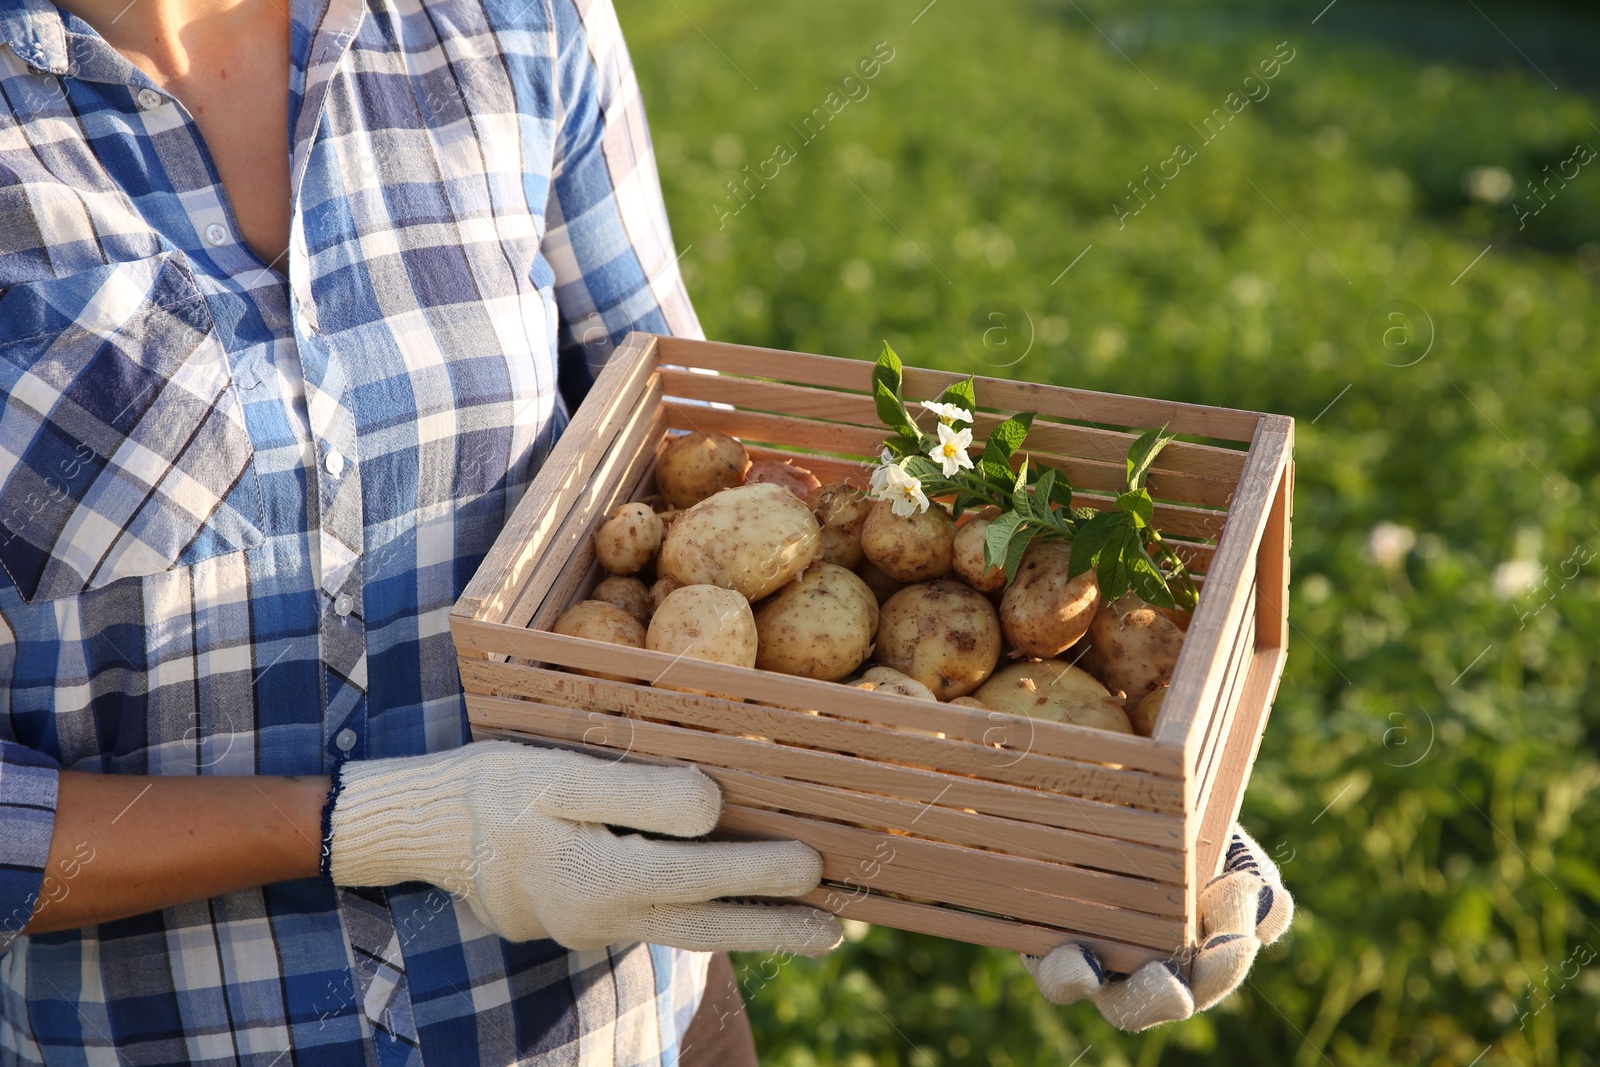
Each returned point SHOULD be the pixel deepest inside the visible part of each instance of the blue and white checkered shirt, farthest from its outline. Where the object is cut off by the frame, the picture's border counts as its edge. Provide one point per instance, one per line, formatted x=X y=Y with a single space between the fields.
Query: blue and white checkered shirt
x=236 y=504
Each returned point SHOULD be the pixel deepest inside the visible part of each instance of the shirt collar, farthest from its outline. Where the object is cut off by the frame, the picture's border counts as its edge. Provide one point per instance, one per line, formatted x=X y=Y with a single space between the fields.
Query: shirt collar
x=34 y=31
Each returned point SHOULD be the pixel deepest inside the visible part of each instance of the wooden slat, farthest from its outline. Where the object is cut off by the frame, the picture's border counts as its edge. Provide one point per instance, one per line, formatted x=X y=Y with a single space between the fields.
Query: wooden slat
x=1240 y=655
x=1272 y=565
x=1133 y=788
x=1109 y=409
x=1061 y=439
x=861 y=441
x=562 y=478
x=569 y=551
x=1032 y=738
x=1223 y=800
x=849 y=902
x=1196 y=681
x=954 y=826
x=1007 y=885
x=595 y=731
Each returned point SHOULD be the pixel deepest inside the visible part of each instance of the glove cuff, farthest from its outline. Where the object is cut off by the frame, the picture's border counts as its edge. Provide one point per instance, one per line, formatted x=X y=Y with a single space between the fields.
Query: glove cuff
x=401 y=820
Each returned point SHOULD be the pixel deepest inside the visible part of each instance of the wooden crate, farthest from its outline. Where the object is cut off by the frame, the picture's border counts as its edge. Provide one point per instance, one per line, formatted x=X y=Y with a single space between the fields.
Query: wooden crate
x=1026 y=834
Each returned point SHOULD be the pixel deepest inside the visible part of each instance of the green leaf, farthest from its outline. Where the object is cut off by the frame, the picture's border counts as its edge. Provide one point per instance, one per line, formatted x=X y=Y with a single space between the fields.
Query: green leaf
x=1142 y=453
x=1044 y=490
x=1148 y=582
x=887 y=371
x=1019 y=492
x=960 y=394
x=1009 y=435
x=998 y=536
x=1113 y=569
x=1019 y=544
x=901 y=446
x=1138 y=506
x=1091 y=540
x=892 y=412
x=1061 y=494
x=997 y=472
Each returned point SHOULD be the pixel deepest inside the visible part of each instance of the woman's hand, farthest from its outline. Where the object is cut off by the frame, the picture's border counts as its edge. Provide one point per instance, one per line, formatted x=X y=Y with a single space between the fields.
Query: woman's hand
x=519 y=834
x=1241 y=909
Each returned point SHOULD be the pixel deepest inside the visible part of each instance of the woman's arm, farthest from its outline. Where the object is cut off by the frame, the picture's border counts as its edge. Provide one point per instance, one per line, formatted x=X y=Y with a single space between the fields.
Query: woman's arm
x=126 y=844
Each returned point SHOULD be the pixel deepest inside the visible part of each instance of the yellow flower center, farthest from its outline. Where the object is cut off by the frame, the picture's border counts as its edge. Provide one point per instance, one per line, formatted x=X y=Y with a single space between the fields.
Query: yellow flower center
x=949 y=449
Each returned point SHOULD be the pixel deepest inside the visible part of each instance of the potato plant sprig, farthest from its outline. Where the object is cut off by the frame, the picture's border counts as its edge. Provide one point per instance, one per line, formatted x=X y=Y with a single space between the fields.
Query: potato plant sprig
x=1120 y=543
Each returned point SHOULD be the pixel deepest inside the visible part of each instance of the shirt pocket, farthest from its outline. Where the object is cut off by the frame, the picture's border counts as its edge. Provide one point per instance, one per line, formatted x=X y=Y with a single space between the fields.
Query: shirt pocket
x=123 y=449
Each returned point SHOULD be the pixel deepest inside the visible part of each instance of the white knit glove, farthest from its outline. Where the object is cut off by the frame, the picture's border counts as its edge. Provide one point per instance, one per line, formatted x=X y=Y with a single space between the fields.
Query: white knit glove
x=1241 y=909
x=516 y=832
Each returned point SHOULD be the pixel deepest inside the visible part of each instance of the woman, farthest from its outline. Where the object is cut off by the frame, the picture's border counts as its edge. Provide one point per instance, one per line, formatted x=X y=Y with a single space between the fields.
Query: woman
x=293 y=304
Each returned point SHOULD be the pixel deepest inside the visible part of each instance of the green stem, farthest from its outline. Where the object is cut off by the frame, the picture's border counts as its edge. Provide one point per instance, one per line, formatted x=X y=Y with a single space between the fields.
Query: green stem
x=1184 y=594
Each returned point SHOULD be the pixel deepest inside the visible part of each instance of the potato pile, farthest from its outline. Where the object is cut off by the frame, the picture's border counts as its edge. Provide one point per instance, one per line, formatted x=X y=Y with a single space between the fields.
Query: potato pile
x=758 y=564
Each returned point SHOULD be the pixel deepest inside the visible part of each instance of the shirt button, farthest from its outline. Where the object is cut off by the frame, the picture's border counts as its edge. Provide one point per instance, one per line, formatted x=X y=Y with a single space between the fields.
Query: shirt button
x=148 y=99
x=343 y=604
x=334 y=462
x=216 y=234
x=345 y=739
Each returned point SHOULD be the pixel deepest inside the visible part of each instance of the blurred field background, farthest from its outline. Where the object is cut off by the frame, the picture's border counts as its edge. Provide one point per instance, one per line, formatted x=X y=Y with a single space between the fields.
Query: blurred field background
x=1429 y=777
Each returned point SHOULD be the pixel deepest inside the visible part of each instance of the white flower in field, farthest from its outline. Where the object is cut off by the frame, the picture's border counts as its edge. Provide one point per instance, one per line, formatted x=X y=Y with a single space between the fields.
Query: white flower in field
x=1389 y=542
x=947 y=412
x=902 y=490
x=1516 y=577
x=951 y=451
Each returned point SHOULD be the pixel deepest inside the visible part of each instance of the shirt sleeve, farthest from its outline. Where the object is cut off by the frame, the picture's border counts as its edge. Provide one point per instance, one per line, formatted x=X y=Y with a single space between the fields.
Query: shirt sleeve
x=28 y=782
x=606 y=238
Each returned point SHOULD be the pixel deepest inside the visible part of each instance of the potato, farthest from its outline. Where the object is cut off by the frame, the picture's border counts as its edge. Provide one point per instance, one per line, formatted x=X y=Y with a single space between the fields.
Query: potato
x=969 y=702
x=842 y=510
x=909 y=548
x=1043 y=612
x=820 y=625
x=704 y=622
x=659 y=591
x=751 y=538
x=694 y=466
x=599 y=621
x=888 y=680
x=883 y=587
x=942 y=633
x=967 y=558
x=629 y=539
x=1053 y=690
x=1144 y=715
x=797 y=480
x=1135 y=647
x=629 y=594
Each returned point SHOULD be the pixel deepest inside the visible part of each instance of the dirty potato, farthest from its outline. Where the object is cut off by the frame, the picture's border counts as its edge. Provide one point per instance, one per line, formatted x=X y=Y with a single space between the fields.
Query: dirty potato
x=909 y=548
x=599 y=621
x=629 y=539
x=842 y=511
x=820 y=625
x=967 y=557
x=883 y=587
x=1135 y=647
x=704 y=622
x=695 y=465
x=942 y=633
x=1053 y=690
x=797 y=480
x=751 y=538
x=889 y=680
x=1043 y=612
x=1144 y=715
x=659 y=591
x=629 y=594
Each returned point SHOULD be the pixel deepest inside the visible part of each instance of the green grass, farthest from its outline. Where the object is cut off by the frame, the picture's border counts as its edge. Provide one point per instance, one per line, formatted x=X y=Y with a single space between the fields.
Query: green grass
x=1449 y=730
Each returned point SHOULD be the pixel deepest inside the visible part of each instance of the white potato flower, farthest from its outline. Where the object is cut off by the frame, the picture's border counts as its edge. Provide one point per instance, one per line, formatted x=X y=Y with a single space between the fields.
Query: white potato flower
x=951 y=451
x=947 y=412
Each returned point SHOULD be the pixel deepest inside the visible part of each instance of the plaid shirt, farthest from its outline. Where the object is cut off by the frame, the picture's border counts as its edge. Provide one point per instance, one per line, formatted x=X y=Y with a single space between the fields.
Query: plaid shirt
x=236 y=504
